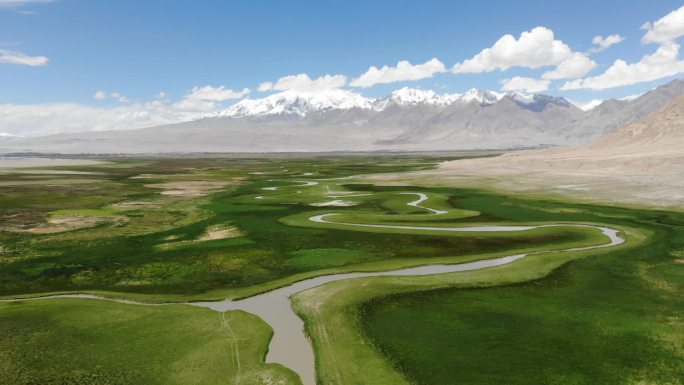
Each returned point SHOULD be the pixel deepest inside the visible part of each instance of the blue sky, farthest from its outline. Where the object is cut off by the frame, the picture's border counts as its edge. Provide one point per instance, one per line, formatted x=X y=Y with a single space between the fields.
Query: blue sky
x=140 y=48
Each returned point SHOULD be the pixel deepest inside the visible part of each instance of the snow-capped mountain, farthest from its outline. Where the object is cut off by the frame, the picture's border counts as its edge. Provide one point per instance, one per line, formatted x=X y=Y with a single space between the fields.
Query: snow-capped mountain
x=588 y=106
x=537 y=102
x=297 y=104
x=293 y=104
x=480 y=96
x=338 y=120
x=412 y=96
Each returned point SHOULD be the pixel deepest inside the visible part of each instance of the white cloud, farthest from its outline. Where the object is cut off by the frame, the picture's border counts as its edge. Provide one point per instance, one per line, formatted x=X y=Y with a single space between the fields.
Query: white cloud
x=666 y=29
x=534 y=49
x=195 y=105
x=403 y=71
x=302 y=82
x=53 y=118
x=519 y=83
x=119 y=97
x=20 y=3
x=45 y=119
x=603 y=43
x=216 y=94
x=11 y=57
x=102 y=95
x=207 y=98
x=265 y=86
x=660 y=64
x=575 y=66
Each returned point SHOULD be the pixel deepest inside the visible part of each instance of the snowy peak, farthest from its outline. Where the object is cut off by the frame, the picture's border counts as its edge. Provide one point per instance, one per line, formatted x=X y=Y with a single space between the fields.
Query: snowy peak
x=480 y=96
x=537 y=102
x=297 y=104
x=588 y=106
x=294 y=104
x=520 y=98
x=547 y=99
x=408 y=97
x=412 y=96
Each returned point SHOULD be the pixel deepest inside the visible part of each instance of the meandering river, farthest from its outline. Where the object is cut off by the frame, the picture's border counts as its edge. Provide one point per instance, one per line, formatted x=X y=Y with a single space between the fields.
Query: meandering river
x=291 y=347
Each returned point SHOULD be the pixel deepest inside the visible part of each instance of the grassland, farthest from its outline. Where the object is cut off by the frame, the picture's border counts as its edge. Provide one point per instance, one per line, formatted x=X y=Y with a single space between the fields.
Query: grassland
x=612 y=316
x=138 y=228
x=167 y=230
x=80 y=341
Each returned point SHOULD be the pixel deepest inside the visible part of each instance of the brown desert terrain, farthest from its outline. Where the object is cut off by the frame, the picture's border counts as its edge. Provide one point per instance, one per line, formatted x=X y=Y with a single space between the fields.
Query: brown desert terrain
x=640 y=163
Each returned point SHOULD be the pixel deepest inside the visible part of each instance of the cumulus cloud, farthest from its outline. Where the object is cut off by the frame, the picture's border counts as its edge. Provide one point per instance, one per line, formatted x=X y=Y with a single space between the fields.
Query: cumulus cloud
x=603 y=43
x=660 y=64
x=216 y=94
x=207 y=98
x=53 y=118
x=403 y=71
x=12 y=57
x=666 y=29
x=302 y=82
x=520 y=83
x=575 y=66
x=533 y=49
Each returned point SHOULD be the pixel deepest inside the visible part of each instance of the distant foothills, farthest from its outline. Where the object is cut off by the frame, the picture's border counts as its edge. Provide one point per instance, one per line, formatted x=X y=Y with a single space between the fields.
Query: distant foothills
x=339 y=120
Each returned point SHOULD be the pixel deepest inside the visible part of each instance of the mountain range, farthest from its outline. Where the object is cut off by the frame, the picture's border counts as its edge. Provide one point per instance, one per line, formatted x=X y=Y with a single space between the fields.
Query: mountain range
x=340 y=120
x=640 y=162
x=294 y=104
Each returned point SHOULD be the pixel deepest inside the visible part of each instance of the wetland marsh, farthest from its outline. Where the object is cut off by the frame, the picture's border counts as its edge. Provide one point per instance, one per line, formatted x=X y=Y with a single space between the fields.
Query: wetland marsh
x=204 y=230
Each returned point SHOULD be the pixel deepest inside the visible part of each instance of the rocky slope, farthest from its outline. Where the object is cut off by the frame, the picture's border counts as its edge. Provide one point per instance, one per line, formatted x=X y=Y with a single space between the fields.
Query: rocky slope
x=641 y=162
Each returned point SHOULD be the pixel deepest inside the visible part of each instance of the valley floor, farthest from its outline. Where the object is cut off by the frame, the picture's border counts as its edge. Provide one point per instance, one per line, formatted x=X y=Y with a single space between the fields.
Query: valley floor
x=177 y=230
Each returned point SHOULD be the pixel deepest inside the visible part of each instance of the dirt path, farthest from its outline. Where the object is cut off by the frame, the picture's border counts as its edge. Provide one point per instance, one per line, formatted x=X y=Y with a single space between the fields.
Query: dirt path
x=226 y=323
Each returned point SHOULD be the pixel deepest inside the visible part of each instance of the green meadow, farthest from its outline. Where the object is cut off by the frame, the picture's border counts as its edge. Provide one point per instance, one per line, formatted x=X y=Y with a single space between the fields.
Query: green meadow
x=141 y=231
x=609 y=316
x=81 y=341
x=175 y=230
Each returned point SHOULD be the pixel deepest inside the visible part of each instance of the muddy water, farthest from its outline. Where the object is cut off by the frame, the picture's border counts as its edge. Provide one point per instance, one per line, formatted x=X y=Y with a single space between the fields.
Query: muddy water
x=290 y=346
